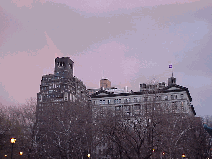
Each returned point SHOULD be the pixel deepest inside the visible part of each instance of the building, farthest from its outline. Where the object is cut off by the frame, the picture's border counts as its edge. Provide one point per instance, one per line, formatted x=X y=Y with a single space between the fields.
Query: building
x=176 y=97
x=57 y=91
x=172 y=98
x=105 y=83
x=60 y=87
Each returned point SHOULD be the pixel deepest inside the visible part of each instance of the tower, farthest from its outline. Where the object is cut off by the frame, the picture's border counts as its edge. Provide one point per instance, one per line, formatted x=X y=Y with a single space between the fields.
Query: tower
x=64 y=67
x=60 y=87
x=61 y=97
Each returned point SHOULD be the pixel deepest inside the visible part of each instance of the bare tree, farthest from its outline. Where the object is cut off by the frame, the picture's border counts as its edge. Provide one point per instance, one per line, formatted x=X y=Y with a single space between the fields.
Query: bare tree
x=66 y=131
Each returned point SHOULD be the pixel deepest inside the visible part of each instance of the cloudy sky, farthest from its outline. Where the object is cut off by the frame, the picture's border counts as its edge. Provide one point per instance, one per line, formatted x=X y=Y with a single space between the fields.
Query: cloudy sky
x=131 y=41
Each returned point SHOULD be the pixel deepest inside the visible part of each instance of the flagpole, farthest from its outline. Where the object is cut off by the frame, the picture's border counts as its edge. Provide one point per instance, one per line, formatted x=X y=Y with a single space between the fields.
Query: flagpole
x=170 y=66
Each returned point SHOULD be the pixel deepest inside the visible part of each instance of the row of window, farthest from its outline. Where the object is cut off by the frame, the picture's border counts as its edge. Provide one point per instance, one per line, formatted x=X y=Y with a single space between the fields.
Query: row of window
x=143 y=112
x=171 y=106
x=145 y=99
x=56 y=86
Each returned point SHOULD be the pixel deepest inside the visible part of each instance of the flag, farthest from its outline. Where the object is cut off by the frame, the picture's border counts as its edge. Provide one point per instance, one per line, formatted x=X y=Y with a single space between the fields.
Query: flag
x=170 y=66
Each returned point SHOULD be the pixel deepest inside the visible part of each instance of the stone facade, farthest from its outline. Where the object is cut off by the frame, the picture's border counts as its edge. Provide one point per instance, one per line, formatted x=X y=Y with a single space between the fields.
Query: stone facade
x=59 y=88
x=154 y=97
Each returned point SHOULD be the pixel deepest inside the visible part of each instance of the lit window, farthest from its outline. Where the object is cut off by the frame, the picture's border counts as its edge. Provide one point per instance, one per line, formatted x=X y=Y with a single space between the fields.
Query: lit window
x=50 y=91
x=118 y=108
x=182 y=107
x=127 y=113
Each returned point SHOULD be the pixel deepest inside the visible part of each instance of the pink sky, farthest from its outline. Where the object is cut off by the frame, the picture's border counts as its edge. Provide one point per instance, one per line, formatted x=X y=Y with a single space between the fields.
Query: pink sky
x=129 y=42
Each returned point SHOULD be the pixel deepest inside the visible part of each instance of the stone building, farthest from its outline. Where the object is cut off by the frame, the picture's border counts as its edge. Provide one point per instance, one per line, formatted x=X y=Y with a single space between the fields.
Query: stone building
x=176 y=98
x=57 y=92
x=168 y=99
x=60 y=87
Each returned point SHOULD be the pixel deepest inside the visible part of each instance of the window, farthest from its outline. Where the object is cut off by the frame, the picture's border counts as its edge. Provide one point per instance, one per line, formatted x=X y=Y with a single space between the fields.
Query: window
x=103 y=101
x=165 y=97
x=137 y=107
x=174 y=107
x=135 y=100
x=172 y=97
x=158 y=98
x=40 y=97
x=50 y=91
x=181 y=96
x=127 y=113
x=70 y=65
x=108 y=101
x=119 y=100
x=145 y=99
x=136 y=112
x=118 y=107
x=127 y=108
x=182 y=107
x=100 y=102
x=125 y=100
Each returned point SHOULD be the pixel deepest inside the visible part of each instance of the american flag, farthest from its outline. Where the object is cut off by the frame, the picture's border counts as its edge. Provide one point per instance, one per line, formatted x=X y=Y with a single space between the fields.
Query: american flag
x=170 y=66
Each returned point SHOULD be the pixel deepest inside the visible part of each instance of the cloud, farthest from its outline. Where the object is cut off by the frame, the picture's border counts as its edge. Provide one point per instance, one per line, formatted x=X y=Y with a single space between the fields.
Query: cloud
x=22 y=71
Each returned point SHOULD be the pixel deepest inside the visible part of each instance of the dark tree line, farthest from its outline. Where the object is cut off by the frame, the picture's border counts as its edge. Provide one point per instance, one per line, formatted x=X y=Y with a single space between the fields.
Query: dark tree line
x=64 y=133
x=167 y=136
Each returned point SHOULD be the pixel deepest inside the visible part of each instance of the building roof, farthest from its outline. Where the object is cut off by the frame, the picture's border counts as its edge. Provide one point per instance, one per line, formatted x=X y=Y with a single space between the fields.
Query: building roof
x=171 y=88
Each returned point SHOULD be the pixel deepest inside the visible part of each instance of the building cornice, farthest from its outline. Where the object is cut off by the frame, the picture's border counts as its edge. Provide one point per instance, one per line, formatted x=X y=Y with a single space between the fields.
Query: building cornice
x=164 y=90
